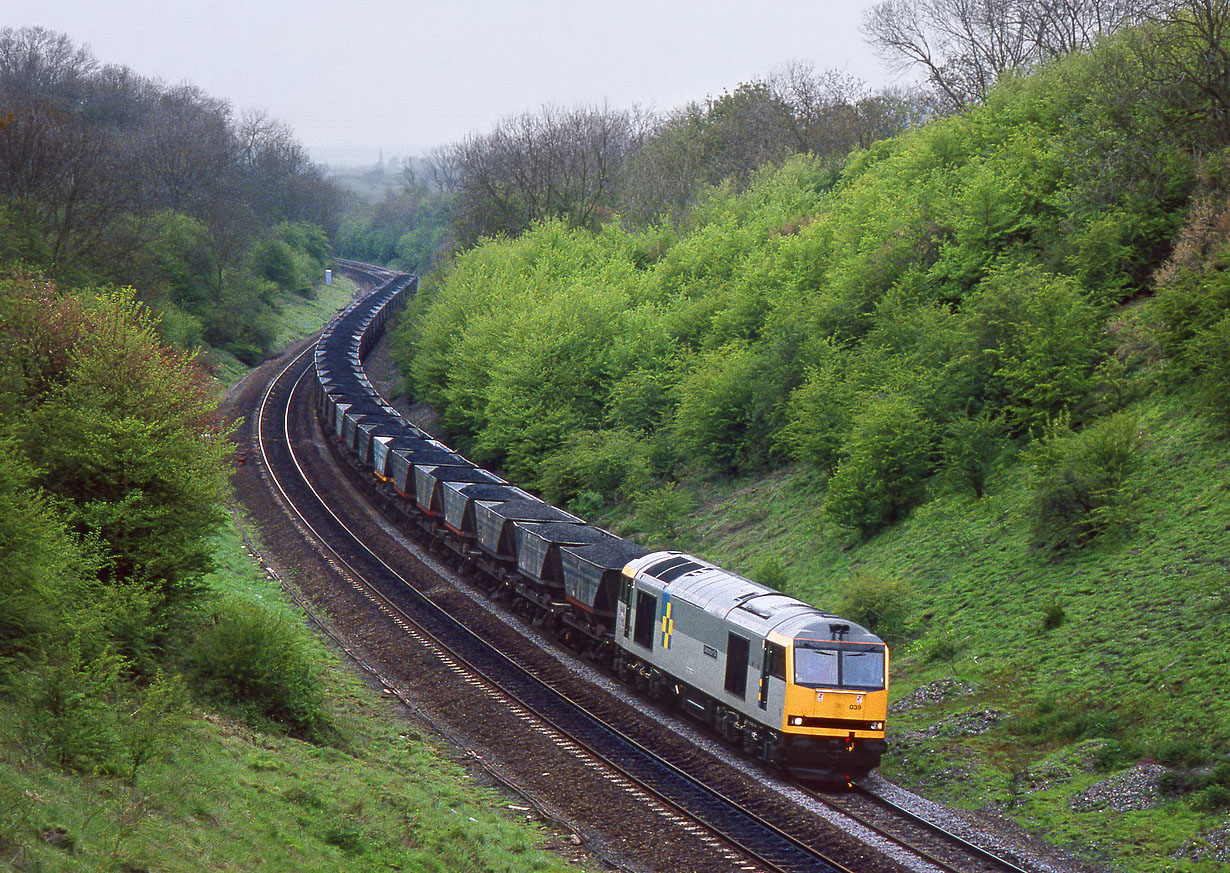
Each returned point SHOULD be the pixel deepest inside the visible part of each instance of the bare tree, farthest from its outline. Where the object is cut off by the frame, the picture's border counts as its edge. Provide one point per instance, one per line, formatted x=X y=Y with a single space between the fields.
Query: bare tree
x=38 y=63
x=964 y=46
x=191 y=151
x=1186 y=50
x=439 y=170
x=832 y=113
x=558 y=163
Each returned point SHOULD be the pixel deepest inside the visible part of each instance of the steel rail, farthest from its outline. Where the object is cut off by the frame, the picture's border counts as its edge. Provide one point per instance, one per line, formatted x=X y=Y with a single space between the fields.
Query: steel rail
x=819 y=862
x=978 y=852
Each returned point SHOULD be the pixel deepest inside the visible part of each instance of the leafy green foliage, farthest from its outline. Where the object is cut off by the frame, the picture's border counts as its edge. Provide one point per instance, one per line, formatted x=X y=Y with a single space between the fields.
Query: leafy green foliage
x=819 y=417
x=772 y=573
x=729 y=408
x=881 y=474
x=661 y=512
x=876 y=602
x=1210 y=357
x=1037 y=344
x=613 y=464
x=129 y=443
x=40 y=564
x=262 y=663
x=1082 y=487
x=969 y=448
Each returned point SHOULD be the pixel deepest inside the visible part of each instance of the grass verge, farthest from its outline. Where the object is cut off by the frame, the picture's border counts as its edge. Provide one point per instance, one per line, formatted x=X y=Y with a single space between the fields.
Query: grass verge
x=225 y=796
x=299 y=317
x=1069 y=676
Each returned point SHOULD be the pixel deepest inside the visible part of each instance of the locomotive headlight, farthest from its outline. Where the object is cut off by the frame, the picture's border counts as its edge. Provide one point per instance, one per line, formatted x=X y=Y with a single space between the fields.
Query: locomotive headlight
x=877 y=726
x=796 y=719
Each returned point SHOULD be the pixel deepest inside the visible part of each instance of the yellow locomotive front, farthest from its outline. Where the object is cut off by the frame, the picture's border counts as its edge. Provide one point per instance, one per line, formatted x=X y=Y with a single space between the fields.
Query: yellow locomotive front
x=835 y=703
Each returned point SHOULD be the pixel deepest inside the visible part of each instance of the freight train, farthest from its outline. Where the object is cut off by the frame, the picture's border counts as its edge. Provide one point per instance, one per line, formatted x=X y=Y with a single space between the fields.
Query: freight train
x=793 y=686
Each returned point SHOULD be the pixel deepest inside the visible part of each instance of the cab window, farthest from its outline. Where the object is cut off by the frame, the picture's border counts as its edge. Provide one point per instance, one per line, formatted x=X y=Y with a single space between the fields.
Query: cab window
x=838 y=665
x=815 y=667
x=863 y=669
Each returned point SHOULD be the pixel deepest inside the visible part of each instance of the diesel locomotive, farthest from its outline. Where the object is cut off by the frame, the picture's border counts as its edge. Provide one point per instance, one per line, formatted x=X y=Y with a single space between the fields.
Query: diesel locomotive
x=792 y=685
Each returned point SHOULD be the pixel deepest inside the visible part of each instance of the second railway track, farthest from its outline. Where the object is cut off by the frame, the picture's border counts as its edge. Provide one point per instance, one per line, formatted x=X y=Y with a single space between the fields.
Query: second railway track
x=469 y=659
x=293 y=451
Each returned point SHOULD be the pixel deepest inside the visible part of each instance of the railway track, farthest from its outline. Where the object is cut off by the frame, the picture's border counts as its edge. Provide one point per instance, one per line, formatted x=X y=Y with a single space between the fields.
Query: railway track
x=471 y=660
x=687 y=801
x=929 y=841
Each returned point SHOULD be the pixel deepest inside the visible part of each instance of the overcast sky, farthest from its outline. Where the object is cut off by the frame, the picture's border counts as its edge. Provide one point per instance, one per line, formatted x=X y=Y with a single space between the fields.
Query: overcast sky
x=356 y=77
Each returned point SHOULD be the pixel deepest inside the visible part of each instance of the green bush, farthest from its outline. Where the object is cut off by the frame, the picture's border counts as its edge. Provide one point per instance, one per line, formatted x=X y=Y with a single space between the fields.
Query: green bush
x=261 y=663
x=772 y=573
x=886 y=459
x=818 y=418
x=1036 y=341
x=1053 y=616
x=179 y=329
x=1081 y=486
x=67 y=712
x=970 y=447
x=612 y=463
x=1210 y=358
x=660 y=512
x=876 y=602
x=730 y=406
x=1193 y=293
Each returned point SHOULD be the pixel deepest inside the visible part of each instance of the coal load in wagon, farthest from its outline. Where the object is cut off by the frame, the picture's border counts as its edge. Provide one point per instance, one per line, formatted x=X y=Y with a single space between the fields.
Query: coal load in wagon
x=369 y=431
x=592 y=573
x=538 y=548
x=352 y=412
x=336 y=406
x=495 y=523
x=341 y=387
x=428 y=480
x=352 y=426
x=407 y=453
x=460 y=497
x=385 y=453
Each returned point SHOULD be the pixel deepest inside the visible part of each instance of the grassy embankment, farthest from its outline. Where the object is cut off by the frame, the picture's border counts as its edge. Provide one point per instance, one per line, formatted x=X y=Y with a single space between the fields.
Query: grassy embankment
x=228 y=797
x=1088 y=663
x=299 y=317
x=220 y=794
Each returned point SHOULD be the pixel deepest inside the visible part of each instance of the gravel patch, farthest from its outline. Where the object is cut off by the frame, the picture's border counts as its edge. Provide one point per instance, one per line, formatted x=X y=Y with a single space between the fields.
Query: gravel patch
x=1136 y=788
x=1209 y=846
x=988 y=828
x=939 y=691
x=965 y=724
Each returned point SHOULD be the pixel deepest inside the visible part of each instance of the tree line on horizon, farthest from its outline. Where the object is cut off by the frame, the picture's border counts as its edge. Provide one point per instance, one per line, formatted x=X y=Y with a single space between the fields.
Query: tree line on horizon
x=111 y=177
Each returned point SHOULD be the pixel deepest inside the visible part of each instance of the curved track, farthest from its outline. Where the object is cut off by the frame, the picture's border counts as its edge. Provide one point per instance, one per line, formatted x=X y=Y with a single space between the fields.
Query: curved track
x=473 y=660
x=512 y=687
